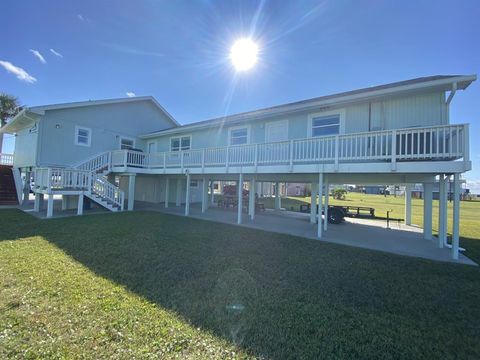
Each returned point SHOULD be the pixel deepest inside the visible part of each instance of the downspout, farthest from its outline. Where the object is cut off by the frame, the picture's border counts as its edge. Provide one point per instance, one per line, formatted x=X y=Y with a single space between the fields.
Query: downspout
x=449 y=100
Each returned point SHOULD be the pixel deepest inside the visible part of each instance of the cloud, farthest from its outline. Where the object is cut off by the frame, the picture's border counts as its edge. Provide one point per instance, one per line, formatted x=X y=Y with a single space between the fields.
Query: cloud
x=132 y=50
x=473 y=185
x=18 y=71
x=80 y=17
x=56 y=53
x=39 y=56
x=130 y=94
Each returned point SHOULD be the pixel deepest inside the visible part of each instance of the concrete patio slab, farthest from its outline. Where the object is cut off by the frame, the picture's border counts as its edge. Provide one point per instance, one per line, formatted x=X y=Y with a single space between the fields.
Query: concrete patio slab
x=364 y=233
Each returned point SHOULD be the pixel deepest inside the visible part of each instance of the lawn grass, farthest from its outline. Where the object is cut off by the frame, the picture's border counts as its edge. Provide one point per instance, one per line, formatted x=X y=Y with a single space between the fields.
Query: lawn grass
x=150 y=285
x=469 y=210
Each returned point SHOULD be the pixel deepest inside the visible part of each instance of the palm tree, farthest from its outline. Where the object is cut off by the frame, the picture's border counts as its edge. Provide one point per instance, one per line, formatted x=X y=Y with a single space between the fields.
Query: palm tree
x=8 y=108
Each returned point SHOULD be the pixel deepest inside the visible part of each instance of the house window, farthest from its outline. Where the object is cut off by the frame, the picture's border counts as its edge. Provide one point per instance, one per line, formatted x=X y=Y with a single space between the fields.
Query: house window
x=127 y=143
x=325 y=125
x=239 y=136
x=194 y=183
x=83 y=136
x=180 y=143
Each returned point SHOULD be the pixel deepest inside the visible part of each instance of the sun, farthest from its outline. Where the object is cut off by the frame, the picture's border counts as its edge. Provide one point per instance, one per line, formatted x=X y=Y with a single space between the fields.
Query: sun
x=243 y=54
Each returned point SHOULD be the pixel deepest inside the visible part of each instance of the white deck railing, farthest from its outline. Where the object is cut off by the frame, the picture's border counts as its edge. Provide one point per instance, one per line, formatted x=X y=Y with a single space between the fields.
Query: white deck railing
x=62 y=178
x=447 y=142
x=108 y=191
x=6 y=159
x=56 y=179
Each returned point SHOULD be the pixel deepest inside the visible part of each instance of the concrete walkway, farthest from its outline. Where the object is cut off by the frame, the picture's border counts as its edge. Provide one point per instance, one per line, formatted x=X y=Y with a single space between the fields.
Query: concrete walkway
x=364 y=233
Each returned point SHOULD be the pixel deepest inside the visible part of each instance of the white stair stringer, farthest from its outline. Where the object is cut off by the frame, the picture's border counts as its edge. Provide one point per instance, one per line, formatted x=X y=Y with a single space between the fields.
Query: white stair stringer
x=102 y=191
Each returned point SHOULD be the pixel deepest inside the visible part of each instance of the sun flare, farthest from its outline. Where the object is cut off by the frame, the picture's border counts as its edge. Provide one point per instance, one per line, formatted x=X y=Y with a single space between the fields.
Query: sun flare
x=243 y=54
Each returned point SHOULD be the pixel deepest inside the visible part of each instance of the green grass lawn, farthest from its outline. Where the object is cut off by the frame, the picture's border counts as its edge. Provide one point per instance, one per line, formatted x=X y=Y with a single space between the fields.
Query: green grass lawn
x=150 y=285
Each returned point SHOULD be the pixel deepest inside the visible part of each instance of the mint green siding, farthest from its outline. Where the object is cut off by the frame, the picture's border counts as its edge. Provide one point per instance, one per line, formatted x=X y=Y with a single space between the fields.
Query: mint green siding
x=397 y=112
x=107 y=122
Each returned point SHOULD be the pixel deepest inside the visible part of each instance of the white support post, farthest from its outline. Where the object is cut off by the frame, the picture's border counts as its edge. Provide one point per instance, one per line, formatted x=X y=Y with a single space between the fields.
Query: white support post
x=240 y=198
x=80 y=204
x=64 y=202
x=212 y=192
x=50 y=206
x=167 y=191
x=204 y=194
x=456 y=216
x=131 y=191
x=187 y=196
x=320 y=201
x=26 y=189
x=278 y=202
x=325 y=207
x=313 y=204
x=427 y=211
x=38 y=201
x=178 y=200
x=408 y=204
x=251 y=199
x=441 y=212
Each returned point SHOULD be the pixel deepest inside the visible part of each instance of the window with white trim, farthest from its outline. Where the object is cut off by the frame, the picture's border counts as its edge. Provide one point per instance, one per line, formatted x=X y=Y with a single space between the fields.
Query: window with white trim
x=326 y=125
x=239 y=136
x=83 y=136
x=180 y=143
x=127 y=143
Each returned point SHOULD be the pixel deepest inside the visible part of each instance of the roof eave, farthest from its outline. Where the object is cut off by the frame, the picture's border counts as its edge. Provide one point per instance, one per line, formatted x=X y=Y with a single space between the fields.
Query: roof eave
x=462 y=83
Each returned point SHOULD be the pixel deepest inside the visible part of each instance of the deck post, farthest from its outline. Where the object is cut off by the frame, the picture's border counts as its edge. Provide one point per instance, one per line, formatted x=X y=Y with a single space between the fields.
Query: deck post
x=131 y=191
x=178 y=200
x=64 y=202
x=251 y=199
x=427 y=211
x=325 y=207
x=187 y=196
x=240 y=198
x=320 y=202
x=212 y=192
x=204 y=194
x=80 y=204
x=50 y=206
x=38 y=204
x=26 y=189
x=408 y=204
x=442 y=204
x=313 y=204
x=278 y=201
x=167 y=191
x=456 y=216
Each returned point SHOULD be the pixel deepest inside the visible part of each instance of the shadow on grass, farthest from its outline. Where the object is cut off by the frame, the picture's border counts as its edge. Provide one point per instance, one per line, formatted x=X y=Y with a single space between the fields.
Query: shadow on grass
x=274 y=295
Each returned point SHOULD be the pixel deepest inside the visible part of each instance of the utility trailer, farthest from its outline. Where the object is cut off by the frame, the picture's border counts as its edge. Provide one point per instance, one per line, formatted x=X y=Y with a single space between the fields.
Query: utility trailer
x=336 y=214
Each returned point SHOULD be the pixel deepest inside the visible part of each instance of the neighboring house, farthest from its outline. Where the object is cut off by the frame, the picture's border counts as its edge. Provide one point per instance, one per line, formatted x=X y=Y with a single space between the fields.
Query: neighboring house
x=398 y=133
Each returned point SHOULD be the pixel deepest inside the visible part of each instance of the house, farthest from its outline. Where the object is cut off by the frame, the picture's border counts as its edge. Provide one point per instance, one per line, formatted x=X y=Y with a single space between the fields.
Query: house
x=116 y=152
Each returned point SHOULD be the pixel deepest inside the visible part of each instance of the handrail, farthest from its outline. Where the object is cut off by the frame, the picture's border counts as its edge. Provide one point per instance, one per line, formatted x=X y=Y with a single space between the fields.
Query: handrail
x=107 y=191
x=6 y=159
x=442 y=142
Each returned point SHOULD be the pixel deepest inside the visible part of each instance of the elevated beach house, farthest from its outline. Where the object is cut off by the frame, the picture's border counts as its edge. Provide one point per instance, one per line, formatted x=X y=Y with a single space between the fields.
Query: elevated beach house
x=116 y=152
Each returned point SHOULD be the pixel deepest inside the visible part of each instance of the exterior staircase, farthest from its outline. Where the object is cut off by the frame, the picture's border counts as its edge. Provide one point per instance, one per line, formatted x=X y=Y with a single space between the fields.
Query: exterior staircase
x=102 y=191
x=88 y=177
x=8 y=191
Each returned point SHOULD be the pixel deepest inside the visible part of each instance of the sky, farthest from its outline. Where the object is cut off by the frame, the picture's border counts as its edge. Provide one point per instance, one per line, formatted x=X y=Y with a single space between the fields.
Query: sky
x=178 y=51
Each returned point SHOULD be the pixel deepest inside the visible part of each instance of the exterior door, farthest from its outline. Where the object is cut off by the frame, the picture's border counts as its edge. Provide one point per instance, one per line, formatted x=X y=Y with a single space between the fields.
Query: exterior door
x=276 y=131
x=151 y=147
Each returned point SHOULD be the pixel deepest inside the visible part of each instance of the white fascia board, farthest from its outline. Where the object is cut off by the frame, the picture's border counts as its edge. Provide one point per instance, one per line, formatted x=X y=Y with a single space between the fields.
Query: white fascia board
x=309 y=105
x=42 y=109
x=14 y=124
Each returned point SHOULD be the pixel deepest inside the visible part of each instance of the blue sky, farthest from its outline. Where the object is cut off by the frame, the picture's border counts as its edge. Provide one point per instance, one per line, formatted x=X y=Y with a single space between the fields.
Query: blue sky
x=177 y=51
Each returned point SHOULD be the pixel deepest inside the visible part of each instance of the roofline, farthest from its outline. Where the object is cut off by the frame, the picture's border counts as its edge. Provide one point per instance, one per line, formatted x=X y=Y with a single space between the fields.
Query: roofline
x=41 y=109
x=329 y=100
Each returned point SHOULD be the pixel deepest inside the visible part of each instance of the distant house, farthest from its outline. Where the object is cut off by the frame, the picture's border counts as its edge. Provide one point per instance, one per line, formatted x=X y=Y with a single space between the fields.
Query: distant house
x=116 y=152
